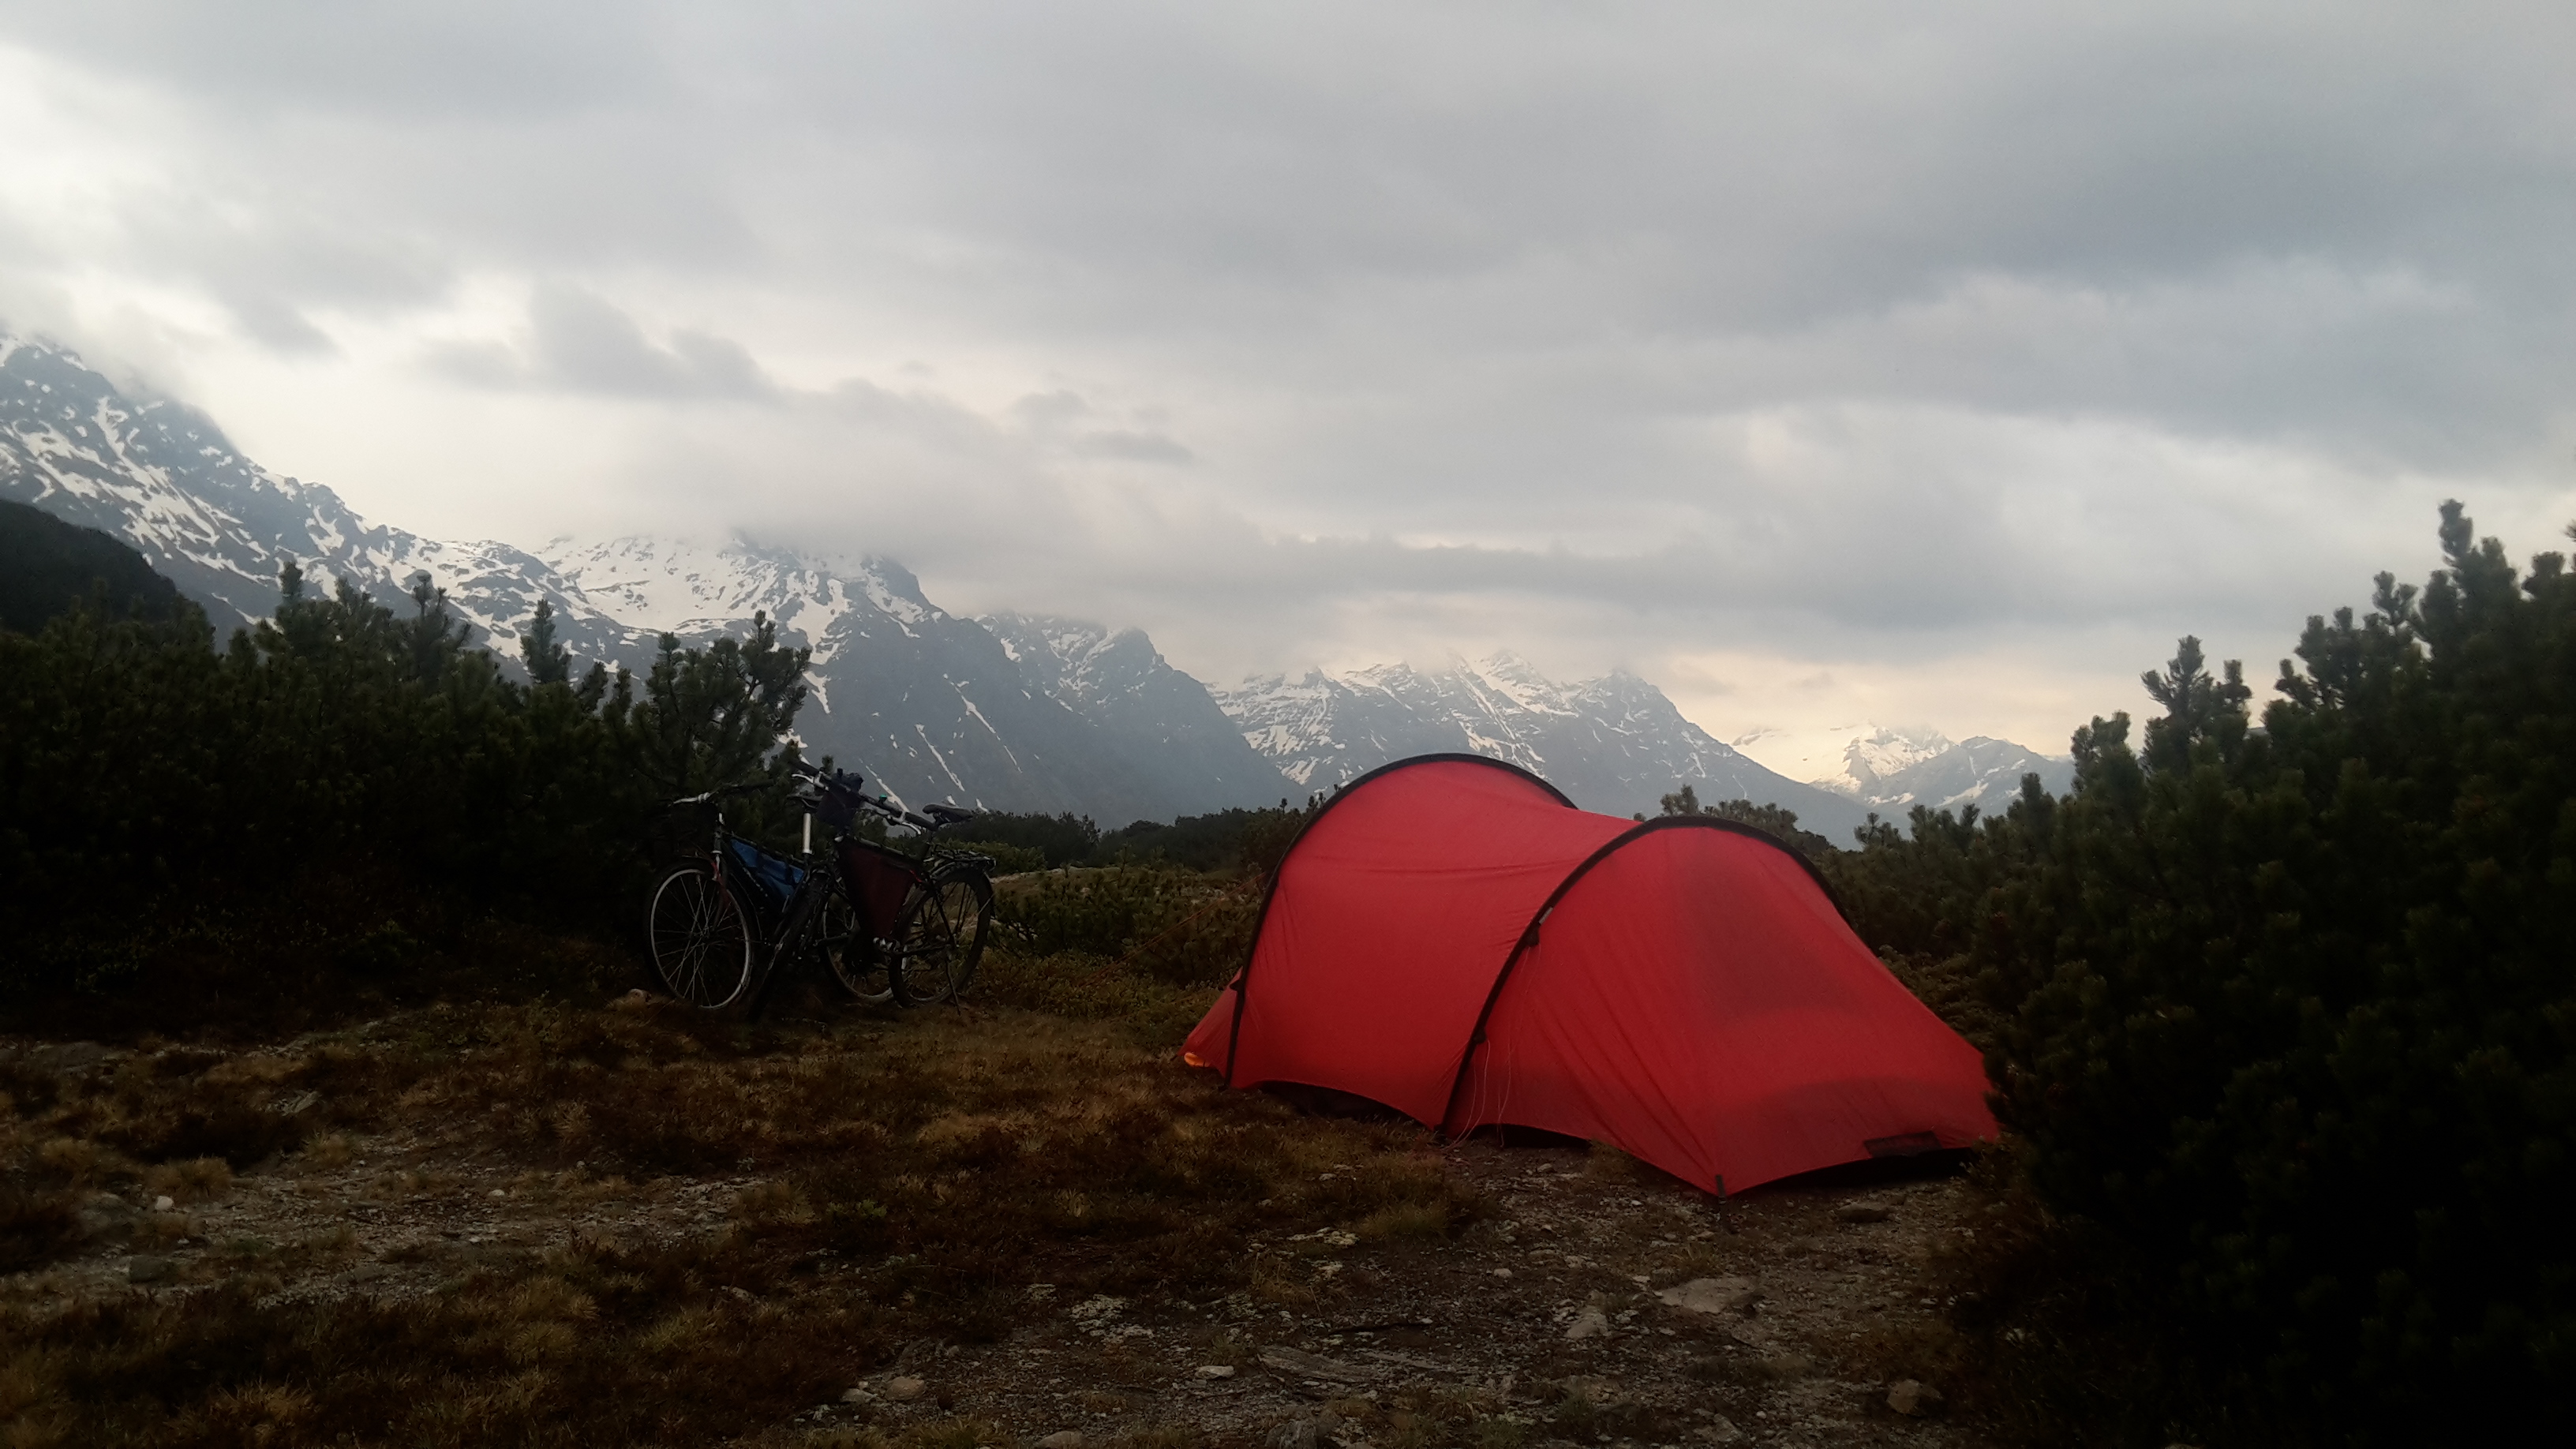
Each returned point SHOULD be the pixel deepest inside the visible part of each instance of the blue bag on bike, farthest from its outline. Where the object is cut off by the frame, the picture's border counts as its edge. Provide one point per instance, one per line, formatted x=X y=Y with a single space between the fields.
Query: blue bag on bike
x=773 y=878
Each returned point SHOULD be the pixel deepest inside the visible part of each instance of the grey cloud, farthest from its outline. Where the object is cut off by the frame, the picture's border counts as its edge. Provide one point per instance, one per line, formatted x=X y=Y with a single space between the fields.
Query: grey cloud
x=1060 y=414
x=278 y=325
x=1866 y=327
x=1132 y=447
x=471 y=59
x=578 y=342
x=1523 y=183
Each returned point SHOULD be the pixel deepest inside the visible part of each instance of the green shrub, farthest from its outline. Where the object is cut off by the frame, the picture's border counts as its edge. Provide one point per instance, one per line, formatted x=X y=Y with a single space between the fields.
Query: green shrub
x=144 y=776
x=1250 y=841
x=2292 y=1011
x=1175 y=926
x=1032 y=842
x=1007 y=859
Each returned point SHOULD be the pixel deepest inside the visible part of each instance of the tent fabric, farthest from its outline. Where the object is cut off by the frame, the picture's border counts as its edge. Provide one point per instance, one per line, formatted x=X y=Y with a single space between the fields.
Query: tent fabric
x=1452 y=938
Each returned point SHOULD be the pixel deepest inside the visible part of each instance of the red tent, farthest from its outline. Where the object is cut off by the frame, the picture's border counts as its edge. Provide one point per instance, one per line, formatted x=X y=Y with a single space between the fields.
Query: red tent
x=1452 y=938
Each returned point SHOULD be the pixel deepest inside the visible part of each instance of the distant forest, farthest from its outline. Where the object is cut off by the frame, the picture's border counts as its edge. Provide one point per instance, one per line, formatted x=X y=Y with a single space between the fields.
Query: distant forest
x=2279 y=1007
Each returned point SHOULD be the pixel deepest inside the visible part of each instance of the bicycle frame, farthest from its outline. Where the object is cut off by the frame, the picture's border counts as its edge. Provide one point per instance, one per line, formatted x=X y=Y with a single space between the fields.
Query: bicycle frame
x=784 y=923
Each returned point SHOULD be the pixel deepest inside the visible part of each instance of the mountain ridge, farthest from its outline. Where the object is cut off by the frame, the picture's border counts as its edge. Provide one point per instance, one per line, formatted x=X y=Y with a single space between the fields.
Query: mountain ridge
x=1614 y=744
x=1011 y=711
x=1893 y=768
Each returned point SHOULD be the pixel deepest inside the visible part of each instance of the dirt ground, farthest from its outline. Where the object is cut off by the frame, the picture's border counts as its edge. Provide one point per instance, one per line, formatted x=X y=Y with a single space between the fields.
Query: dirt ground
x=1556 y=1295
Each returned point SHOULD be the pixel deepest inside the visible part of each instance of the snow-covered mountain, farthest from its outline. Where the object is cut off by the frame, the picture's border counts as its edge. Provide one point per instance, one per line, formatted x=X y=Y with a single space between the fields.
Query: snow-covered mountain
x=1613 y=744
x=1009 y=712
x=162 y=477
x=928 y=705
x=1892 y=769
x=1156 y=718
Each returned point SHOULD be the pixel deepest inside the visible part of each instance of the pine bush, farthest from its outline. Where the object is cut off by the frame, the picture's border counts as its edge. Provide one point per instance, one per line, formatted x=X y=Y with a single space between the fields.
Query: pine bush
x=2291 y=1010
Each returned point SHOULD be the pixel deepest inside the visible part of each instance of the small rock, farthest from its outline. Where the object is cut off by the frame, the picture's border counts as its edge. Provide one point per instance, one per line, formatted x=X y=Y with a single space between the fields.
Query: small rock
x=1590 y=1323
x=497 y=1192
x=164 y=1203
x=1721 y=1430
x=1713 y=1295
x=105 y=1214
x=68 y=1056
x=1502 y=1272
x=1599 y=1392
x=1062 y=1439
x=904 y=1390
x=1863 y=1210
x=1913 y=1400
x=146 y=1270
x=857 y=1395
x=1312 y=1365
x=1216 y=1371
x=1789 y=1366
x=1295 y=1434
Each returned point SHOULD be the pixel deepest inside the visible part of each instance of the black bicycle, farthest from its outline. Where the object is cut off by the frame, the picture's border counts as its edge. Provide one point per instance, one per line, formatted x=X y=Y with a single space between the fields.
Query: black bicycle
x=727 y=919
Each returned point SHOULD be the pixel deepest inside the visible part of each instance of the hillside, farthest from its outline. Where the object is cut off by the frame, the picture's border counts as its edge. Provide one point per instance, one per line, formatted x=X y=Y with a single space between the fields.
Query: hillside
x=1613 y=744
x=1009 y=712
x=48 y=566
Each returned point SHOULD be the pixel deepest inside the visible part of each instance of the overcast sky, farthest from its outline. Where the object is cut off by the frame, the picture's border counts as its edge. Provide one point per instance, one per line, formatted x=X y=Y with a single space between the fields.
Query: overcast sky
x=1818 y=362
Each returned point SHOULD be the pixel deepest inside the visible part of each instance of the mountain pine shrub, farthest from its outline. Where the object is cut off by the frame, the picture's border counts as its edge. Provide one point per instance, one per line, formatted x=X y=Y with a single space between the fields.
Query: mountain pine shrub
x=2291 y=1011
x=147 y=778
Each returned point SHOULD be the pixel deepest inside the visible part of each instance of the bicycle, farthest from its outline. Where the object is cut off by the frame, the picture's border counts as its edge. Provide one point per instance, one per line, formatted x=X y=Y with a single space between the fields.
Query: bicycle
x=727 y=919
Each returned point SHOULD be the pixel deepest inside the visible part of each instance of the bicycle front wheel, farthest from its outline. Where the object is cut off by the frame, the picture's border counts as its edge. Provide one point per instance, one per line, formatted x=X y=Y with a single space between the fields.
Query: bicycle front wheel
x=700 y=938
x=943 y=938
x=856 y=961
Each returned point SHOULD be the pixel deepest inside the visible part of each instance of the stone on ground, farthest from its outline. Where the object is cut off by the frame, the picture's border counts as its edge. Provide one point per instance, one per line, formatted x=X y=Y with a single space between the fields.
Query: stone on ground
x=904 y=1390
x=1312 y=1365
x=1913 y=1400
x=1713 y=1295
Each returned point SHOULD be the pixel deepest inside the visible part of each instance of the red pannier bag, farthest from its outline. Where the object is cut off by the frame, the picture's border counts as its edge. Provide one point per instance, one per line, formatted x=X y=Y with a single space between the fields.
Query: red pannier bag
x=880 y=882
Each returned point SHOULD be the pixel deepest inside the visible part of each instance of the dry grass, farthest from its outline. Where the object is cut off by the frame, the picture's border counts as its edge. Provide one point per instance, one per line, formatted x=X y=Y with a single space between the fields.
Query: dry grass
x=912 y=1179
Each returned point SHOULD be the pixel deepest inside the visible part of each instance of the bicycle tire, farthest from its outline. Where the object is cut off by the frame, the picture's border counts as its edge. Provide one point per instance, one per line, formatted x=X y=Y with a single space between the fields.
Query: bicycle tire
x=971 y=951
x=942 y=937
x=699 y=937
x=855 y=962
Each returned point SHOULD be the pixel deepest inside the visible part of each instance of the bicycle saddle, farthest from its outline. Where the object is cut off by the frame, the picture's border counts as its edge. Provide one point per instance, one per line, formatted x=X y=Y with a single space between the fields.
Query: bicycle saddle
x=947 y=814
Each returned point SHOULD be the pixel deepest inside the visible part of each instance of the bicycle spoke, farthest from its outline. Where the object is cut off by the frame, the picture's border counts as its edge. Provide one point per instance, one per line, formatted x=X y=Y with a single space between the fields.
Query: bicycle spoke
x=699 y=940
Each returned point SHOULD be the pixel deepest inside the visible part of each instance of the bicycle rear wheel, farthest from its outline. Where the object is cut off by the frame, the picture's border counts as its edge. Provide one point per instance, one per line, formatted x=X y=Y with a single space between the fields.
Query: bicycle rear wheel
x=699 y=936
x=856 y=962
x=942 y=939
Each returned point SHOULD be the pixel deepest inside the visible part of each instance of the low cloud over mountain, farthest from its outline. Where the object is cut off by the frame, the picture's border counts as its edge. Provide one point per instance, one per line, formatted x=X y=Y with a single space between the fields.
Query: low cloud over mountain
x=1010 y=711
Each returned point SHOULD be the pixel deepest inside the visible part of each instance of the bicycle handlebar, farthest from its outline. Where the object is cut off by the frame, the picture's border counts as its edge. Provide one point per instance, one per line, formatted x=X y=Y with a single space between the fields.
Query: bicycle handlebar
x=817 y=779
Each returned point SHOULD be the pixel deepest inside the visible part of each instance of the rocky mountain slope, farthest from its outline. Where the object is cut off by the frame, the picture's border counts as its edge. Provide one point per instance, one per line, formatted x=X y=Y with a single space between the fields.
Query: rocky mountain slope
x=1154 y=717
x=1892 y=769
x=163 y=478
x=929 y=705
x=1613 y=744
x=1008 y=712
